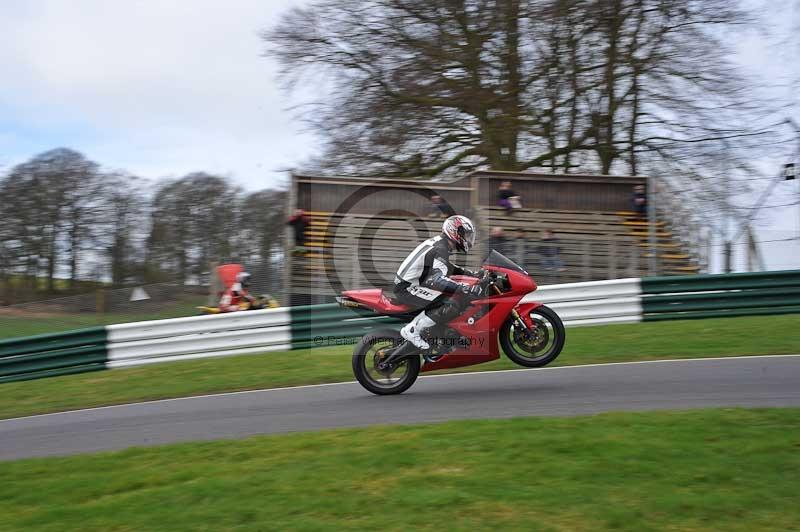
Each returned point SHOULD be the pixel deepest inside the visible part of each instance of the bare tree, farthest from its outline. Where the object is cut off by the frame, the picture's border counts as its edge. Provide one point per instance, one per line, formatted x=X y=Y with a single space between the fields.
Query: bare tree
x=122 y=226
x=262 y=223
x=69 y=219
x=419 y=87
x=429 y=87
x=54 y=208
x=193 y=222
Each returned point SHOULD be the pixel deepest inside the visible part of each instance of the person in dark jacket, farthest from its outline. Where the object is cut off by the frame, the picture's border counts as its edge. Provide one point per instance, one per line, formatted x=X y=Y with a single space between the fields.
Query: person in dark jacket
x=507 y=198
x=639 y=201
x=440 y=208
x=299 y=222
x=550 y=252
x=498 y=241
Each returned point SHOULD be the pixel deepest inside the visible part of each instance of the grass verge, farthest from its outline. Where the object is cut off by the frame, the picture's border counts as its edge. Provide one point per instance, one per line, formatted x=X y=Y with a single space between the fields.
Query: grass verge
x=27 y=323
x=760 y=335
x=726 y=469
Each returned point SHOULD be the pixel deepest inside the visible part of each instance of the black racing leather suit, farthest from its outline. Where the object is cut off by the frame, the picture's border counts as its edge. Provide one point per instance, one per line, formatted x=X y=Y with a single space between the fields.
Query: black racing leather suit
x=423 y=281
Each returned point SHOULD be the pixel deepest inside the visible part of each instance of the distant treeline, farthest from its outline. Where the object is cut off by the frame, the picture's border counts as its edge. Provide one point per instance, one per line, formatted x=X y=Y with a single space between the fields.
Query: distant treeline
x=66 y=221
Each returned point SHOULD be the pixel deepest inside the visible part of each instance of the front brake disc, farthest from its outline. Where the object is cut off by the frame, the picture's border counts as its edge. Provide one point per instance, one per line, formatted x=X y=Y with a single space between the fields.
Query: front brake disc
x=532 y=339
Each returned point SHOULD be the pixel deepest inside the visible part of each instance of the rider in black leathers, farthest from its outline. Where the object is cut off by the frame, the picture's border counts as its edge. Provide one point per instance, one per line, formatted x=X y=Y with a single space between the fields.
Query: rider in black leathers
x=423 y=279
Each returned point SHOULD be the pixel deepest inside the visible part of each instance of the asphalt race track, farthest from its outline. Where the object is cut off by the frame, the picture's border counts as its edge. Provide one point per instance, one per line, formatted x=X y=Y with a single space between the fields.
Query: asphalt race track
x=742 y=381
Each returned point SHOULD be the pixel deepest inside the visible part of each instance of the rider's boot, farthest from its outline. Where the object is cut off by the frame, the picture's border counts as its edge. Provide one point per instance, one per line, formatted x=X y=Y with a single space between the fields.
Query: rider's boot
x=412 y=331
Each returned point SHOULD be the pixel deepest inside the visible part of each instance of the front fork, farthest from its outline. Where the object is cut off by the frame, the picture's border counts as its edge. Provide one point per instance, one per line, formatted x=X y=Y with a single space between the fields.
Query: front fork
x=520 y=321
x=525 y=322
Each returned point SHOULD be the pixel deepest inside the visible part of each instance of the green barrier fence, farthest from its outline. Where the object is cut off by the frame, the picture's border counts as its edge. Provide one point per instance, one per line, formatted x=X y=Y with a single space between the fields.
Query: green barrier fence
x=713 y=296
x=329 y=324
x=663 y=298
x=48 y=355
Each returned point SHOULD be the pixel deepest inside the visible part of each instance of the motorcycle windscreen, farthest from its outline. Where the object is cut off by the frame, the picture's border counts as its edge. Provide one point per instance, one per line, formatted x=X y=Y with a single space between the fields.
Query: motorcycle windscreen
x=495 y=258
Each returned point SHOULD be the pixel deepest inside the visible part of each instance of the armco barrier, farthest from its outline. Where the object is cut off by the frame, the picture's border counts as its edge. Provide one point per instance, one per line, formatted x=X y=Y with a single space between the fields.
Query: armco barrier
x=259 y=331
x=145 y=342
x=593 y=302
x=713 y=296
x=49 y=355
x=256 y=331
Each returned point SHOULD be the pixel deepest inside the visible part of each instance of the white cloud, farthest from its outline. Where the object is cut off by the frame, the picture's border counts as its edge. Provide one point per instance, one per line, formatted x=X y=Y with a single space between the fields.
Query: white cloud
x=159 y=88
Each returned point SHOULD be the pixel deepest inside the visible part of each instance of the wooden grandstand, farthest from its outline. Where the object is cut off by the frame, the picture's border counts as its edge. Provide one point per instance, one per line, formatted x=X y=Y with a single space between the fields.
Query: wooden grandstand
x=592 y=245
x=353 y=250
x=361 y=229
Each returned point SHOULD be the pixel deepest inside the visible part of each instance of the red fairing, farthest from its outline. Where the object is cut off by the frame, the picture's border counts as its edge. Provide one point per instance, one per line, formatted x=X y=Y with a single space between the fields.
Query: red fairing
x=375 y=299
x=481 y=334
x=478 y=327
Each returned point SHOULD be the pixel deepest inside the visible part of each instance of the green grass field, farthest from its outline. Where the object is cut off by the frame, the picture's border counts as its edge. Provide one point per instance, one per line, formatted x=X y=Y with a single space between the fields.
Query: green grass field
x=729 y=469
x=612 y=343
x=27 y=324
x=37 y=287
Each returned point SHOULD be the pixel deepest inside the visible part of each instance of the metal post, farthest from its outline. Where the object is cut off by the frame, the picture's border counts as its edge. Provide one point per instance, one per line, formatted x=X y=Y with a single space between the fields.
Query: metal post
x=651 y=225
x=320 y=275
x=289 y=263
x=353 y=257
x=728 y=251
x=612 y=260
x=796 y=162
x=474 y=199
x=213 y=284
x=748 y=252
x=586 y=256
x=635 y=261
x=729 y=221
x=728 y=248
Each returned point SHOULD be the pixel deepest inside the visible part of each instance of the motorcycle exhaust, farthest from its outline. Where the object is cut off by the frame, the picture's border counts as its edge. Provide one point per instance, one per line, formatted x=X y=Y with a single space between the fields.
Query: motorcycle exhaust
x=350 y=303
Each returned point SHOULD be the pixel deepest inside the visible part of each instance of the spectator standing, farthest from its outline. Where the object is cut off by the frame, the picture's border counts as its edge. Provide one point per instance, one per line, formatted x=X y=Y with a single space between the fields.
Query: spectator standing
x=299 y=222
x=497 y=241
x=639 y=201
x=440 y=208
x=507 y=198
x=550 y=252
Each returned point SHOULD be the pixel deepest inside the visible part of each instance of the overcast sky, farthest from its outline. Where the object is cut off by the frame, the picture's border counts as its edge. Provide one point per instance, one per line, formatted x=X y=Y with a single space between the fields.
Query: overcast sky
x=160 y=88
x=163 y=88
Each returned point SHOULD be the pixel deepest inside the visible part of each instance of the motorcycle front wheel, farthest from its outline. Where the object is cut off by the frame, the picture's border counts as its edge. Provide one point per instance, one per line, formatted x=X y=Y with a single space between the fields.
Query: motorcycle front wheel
x=538 y=347
x=372 y=348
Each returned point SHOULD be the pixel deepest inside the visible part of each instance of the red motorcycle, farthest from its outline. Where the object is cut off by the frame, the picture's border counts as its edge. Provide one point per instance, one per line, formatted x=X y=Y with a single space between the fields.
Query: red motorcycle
x=530 y=334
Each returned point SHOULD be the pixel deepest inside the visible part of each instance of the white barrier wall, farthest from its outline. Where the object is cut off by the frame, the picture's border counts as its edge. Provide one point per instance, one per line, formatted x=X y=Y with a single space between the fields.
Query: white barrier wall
x=259 y=331
x=146 y=342
x=593 y=302
x=252 y=319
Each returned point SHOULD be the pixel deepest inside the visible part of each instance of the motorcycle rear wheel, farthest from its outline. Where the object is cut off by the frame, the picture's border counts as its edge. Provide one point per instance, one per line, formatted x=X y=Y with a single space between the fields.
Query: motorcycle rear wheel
x=542 y=347
x=366 y=355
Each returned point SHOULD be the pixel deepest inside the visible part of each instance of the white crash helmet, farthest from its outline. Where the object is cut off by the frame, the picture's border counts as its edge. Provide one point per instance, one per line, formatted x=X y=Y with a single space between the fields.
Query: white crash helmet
x=243 y=278
x=460 y=231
